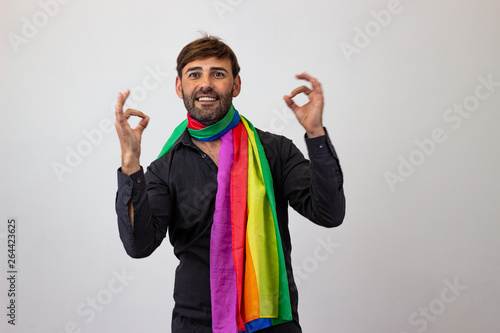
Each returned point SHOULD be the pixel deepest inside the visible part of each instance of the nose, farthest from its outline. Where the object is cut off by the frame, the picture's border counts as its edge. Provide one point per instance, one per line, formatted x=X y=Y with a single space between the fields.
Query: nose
x=206 y=82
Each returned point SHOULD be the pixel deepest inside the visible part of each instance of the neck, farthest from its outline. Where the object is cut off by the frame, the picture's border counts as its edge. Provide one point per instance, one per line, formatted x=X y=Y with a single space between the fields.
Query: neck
x=211 y=148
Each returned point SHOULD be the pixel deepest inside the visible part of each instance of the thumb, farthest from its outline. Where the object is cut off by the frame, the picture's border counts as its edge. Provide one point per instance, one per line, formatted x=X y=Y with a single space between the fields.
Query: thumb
x=141 y=126
x=289 y=101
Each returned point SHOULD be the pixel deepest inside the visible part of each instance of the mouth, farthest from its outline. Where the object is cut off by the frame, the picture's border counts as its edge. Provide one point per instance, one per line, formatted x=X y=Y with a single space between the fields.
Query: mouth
x=206 y=99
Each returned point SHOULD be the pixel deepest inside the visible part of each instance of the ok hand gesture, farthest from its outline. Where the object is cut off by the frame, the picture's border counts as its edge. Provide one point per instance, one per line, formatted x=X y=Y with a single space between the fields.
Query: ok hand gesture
x=310 y=115
x=130 y=138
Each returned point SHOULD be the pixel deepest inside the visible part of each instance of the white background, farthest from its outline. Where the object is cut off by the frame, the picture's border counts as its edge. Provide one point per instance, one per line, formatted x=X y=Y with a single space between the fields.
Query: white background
x=388 y=267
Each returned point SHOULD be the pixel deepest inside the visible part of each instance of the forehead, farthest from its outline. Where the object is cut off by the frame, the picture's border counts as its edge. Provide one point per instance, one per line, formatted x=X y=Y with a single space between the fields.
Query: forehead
x=208 y=63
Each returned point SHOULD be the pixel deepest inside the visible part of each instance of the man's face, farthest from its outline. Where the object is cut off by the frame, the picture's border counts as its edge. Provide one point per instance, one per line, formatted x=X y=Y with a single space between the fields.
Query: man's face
x=207 y=87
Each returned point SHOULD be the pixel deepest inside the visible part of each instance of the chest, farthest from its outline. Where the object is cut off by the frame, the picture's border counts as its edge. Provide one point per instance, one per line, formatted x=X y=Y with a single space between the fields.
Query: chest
x=213 y=154
x=192 y=182
x=211 y=149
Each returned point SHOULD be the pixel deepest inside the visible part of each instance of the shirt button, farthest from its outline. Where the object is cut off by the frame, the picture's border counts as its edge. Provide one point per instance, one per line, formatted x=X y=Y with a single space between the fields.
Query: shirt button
x=203 y=155
x=138 y=180
x=321 y=146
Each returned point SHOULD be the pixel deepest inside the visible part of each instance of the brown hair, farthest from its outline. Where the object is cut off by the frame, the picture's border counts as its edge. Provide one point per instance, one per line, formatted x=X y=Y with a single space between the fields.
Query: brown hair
x=206 y=47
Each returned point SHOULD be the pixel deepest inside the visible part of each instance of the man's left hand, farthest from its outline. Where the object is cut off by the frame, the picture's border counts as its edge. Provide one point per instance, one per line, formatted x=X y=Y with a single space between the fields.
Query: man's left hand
x=310 y=115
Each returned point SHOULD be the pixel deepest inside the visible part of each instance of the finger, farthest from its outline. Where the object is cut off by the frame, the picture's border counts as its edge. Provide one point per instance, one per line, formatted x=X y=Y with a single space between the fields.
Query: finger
x=125 y=95
x=141 y=126
x=314 y=82
x=301 y=89
x=316 y=86
x=289 y=101
x=133 y=112
x=122 y=97
x=304 y=76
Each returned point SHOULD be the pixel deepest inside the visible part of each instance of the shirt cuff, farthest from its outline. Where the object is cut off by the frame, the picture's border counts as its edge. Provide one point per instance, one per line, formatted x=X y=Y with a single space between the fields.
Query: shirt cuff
x=320 y=146
x=129 y=185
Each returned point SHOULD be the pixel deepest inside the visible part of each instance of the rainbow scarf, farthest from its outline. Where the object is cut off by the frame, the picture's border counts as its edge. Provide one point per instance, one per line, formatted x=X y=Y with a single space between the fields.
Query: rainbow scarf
x=248 y=279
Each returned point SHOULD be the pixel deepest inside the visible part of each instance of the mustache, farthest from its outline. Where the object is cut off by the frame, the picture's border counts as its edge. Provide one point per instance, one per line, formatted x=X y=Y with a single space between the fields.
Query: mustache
x=206 y=92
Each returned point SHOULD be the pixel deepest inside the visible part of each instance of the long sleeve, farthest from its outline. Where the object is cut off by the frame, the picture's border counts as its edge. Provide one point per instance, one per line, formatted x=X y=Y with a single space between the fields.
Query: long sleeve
x=148 y=230
x=315 y=188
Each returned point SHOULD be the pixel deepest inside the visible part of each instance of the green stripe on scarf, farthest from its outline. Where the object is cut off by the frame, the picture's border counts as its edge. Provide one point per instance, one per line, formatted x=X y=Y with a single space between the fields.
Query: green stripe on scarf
x=265 y=297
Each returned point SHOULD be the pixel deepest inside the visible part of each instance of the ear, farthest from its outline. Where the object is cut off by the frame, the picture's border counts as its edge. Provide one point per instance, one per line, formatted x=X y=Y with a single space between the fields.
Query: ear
x=178 y=86
x=236 y=86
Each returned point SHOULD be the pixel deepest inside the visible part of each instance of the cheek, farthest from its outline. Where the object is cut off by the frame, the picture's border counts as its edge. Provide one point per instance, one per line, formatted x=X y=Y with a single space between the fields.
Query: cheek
x=226 y=89
x=187 y=91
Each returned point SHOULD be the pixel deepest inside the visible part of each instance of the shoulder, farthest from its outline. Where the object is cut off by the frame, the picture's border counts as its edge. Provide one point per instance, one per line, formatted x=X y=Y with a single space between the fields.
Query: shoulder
x=161 y=166
x=278 y=147
x=271 y=140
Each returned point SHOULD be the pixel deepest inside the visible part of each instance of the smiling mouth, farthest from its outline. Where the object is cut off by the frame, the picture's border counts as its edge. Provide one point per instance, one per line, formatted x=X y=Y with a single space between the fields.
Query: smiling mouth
x=206 y=99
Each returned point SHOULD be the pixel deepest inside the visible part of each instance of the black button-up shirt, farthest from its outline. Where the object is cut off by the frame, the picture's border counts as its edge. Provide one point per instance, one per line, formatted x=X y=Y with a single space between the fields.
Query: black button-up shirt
x=177 y=193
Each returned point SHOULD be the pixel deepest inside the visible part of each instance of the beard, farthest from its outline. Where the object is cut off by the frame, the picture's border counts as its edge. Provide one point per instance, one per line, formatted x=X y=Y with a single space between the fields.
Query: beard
x=208 y=114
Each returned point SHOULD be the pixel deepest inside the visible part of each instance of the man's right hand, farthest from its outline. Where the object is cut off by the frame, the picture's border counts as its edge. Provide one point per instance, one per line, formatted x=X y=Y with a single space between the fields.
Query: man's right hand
x=130 y=138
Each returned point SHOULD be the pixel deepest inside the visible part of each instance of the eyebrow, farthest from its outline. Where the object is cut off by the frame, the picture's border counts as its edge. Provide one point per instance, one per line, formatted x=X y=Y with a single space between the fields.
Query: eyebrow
x=198 y=68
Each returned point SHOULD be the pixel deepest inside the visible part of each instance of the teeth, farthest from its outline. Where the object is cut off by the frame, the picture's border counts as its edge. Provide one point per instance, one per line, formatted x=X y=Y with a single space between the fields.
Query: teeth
x=206 y=99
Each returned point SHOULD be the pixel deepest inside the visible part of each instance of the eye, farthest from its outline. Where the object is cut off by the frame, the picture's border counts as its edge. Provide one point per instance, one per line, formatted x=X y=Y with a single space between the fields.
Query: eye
x=193 y=75
x=219 y=74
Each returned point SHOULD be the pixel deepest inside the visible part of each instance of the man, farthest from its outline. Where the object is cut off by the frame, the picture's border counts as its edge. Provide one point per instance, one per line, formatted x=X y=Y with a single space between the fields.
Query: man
x=222 y=188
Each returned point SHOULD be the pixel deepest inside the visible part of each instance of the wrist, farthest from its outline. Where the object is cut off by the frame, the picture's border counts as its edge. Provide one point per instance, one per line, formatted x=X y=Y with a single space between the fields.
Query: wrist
x=130 y=166
x=320 y=131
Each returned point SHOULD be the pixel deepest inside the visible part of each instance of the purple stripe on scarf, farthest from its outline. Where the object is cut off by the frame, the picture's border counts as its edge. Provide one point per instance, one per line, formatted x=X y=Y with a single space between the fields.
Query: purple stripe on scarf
x=222 y=273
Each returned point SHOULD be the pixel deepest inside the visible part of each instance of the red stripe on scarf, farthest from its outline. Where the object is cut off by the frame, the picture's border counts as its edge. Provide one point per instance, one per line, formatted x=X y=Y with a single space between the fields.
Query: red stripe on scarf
x=239 y=175
x=194 y=124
